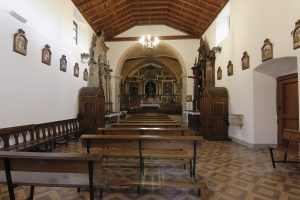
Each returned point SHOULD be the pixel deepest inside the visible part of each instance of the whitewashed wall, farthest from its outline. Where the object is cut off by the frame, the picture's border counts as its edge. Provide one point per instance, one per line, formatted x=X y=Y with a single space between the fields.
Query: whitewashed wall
x=32 y=92
x=186 y=49
x=252 y=21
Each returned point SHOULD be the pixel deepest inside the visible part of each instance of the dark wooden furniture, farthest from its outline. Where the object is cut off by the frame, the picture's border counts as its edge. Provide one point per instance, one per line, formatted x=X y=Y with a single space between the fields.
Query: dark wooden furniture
x=288 y=136
x=211 y=101
x=147 y=121
x=146 y=146
x=146 y=125
x=214 y=113
x=38 y=137
x=91 y=108
x=146 y=131
x=51 y=170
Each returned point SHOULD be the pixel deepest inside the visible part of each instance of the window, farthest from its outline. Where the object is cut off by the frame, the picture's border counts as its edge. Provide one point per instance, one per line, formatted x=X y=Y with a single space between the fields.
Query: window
x=75 y=32
x=223 y=24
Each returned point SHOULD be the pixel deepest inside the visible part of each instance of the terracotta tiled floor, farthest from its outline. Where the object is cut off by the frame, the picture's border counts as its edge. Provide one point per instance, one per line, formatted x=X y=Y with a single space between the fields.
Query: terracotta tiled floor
x=229 y=171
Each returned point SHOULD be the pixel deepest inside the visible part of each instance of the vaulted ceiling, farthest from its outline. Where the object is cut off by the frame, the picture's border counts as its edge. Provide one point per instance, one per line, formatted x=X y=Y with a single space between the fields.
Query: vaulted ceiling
x=113 y=17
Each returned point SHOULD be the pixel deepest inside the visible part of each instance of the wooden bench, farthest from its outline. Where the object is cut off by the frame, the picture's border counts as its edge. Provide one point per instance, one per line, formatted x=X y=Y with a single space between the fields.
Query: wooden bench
x=51 y=170
x=119 y=125
x=33 y=137
x=146 y=121
x=20 y=138
x=146 y=131
x=147 y=147
x=288 y=136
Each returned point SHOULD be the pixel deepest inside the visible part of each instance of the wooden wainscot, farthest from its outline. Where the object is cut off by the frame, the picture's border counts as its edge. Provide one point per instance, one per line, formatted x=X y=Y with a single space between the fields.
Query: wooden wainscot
x=236 y=119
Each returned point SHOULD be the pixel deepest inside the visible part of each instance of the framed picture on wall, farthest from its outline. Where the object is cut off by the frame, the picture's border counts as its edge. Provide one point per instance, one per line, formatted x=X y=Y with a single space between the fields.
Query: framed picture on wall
x=46 y=55
x=85 y=74
x=267 y=50
x=219 y=73
x=230 y=68
x=189 y=98
x=63 y=63
x=296 y=35
x=76 y=70
x=20 y=42
x=245 y=61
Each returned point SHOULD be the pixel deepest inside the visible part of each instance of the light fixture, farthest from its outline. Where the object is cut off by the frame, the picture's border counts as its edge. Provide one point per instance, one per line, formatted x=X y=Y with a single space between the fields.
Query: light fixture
x=149 y=42
x=217 y=49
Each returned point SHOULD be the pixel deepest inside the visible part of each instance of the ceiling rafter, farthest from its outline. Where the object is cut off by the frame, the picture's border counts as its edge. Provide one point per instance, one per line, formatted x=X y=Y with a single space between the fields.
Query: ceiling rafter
x=192 y=17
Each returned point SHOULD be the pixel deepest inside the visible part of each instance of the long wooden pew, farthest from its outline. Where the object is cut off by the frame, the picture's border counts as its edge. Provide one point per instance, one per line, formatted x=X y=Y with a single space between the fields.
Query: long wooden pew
x=51 y=170
x=147 y=121
x=146 y=131
x=145 y=146
x=119 y=125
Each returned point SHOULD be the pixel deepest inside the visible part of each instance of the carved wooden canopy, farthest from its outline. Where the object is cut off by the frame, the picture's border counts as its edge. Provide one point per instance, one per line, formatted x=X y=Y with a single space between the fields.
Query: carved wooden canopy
x=113 y=17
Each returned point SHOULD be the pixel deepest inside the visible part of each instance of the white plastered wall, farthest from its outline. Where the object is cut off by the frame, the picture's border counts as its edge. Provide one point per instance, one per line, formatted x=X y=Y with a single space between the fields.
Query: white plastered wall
x=251 y=22
x=187 y=49
x=32 y=92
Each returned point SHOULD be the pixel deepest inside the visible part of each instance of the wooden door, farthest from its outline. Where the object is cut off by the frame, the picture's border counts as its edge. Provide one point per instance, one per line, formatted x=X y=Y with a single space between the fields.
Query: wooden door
x=287 y=106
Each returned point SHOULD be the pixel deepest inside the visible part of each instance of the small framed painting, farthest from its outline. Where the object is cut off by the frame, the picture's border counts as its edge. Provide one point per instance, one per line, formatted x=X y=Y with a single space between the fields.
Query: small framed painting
x=46 y=55
x=219 y=73
x=76 y=70
x=85 y=75
x=230 y=68
x=296 y=35
x=189 y=98
x=245 y=61
x=63 y=63
x=20 y=42
x=267 y=50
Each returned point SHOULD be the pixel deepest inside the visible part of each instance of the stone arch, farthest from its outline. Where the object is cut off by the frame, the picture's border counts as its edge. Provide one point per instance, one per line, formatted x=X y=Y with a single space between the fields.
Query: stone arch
x=176 y=55
x=264 y=97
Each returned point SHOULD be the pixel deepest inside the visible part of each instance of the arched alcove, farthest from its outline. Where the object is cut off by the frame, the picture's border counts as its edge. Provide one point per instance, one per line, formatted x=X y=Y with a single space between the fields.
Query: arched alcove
x=264 y=88
x=135 y=57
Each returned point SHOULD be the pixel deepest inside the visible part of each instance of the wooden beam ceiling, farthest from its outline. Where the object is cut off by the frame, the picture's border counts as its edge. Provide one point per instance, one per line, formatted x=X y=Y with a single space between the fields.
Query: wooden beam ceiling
x=113 y=17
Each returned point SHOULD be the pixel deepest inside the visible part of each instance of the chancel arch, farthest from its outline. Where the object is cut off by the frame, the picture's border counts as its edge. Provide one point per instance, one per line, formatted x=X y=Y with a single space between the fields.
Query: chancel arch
x=164 y=58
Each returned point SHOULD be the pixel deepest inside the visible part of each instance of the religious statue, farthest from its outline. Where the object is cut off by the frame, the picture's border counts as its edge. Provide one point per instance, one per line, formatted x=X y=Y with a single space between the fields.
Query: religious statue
x=100 y=49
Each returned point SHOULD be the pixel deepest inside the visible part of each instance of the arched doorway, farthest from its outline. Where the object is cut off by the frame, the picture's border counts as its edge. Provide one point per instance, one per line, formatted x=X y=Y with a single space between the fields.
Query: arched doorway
x=164 y=55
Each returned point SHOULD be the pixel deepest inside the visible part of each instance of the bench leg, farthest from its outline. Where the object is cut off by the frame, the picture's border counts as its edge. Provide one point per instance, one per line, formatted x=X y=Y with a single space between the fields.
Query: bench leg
x=101 y=194
x=272 y=157
x=285 y=157
x=31 y=193
x=191 y=168
x=78 y=189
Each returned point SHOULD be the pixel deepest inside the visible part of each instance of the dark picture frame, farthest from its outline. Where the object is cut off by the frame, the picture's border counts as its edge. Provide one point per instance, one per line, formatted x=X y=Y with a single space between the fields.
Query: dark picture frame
x=245 y=61
x=63 y=63
x=267 y=50
x=230 y=68
x=76 y=70
x=296 y=35
x=85 y=74
x=20 y=42
x=46 y=55
x=219 y=73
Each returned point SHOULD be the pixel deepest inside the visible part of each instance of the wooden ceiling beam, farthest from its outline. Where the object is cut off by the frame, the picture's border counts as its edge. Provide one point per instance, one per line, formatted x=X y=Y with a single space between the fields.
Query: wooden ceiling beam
x=215 y=5
x=198 y=7
x=79 y=3
x=183 y=29
x=171 y=37
x=116 y=32
x=102 y=4
x=110 y=12
x=184 y=20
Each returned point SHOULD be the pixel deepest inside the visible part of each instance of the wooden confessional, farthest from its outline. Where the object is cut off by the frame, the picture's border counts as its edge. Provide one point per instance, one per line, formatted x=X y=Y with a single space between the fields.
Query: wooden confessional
x=91 y=108
x=211 y=101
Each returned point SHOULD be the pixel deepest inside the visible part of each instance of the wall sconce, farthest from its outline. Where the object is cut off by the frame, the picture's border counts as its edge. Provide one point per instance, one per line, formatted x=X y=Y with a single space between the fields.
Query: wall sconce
x=84 y=56
x=217 y=49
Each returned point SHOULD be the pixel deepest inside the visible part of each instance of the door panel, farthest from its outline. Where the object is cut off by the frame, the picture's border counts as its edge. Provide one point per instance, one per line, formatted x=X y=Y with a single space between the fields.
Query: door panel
x=287 y=106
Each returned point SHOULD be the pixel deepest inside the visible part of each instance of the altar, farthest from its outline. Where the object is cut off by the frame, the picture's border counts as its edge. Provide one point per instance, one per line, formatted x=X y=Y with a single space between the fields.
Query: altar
x=149 y=107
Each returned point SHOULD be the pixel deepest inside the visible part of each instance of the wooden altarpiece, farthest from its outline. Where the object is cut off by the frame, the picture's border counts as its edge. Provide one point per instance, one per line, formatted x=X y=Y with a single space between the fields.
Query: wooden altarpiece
x=211 y=101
